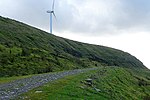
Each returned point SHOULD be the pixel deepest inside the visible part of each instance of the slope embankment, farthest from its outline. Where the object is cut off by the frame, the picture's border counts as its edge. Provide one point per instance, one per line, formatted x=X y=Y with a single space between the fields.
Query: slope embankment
x=17 y=87
x=26 y=50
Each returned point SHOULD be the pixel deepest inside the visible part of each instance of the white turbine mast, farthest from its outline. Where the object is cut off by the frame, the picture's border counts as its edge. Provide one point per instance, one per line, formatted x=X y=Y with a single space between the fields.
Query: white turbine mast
x=52 y=13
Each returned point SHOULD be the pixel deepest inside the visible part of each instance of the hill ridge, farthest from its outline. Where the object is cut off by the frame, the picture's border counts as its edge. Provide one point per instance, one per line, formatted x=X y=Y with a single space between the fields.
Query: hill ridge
x=28 y=50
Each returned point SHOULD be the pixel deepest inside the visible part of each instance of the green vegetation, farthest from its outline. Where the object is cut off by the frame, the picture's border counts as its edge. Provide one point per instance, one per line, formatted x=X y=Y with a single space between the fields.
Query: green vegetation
x=108 y=83
x=26 y=50
x=10 y=79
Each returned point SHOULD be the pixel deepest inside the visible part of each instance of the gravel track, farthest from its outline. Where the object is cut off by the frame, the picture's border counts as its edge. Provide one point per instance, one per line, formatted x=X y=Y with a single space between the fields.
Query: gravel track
x=17 y=87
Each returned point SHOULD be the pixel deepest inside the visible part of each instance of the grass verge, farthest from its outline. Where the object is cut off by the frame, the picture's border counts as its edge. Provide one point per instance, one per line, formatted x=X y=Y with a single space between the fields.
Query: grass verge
x=10 y=79
x=107 y=83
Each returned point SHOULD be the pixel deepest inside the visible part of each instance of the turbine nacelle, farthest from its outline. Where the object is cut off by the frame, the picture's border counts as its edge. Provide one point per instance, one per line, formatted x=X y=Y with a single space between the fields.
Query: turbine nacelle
x=50 y=11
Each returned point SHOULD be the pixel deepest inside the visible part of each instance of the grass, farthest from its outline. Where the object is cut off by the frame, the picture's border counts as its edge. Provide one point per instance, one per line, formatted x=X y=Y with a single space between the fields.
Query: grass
x=10 y=79
x=25 y=50
x=114 y=83
x=63 y=89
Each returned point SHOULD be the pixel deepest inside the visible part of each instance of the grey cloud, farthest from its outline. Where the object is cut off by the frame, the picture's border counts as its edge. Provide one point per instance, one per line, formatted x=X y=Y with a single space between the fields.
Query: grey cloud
x=88 y=17
x=125 y=15
x=133 y=13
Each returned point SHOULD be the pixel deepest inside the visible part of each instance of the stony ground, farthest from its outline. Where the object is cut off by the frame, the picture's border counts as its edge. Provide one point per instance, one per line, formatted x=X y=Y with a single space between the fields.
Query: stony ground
x=17 y=87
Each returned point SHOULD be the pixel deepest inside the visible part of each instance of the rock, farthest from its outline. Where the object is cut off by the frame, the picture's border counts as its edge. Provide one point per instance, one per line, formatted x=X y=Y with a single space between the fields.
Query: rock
x=82 y=87
x=12 y=92
x=16 y=88
x=38 y=91
x=90 y=84
x=81 y=81
x=98 y=90
x=88 y=80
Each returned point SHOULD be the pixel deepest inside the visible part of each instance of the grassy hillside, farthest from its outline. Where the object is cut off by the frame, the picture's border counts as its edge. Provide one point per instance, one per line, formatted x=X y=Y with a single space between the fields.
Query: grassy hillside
x=108 y=83
x=26 y=50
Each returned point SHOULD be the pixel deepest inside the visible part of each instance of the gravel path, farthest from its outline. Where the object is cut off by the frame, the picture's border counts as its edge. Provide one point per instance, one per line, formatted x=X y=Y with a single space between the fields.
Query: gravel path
x=17 y=87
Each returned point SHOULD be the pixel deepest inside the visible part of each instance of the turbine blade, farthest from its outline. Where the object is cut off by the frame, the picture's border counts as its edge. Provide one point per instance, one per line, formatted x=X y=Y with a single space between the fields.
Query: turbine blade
x=54 y=15
x=48 y=11
x=53 y=5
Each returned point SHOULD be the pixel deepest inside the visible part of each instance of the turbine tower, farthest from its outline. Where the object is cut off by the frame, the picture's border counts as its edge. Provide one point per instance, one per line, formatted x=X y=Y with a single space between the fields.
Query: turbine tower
x=52 y=13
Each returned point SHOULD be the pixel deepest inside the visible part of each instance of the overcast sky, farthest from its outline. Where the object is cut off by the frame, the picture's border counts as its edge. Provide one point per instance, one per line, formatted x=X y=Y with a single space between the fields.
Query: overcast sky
x=121 y=24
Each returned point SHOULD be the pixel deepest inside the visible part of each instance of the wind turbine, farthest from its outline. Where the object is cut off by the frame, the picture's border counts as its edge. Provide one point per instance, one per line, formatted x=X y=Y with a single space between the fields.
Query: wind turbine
x=52 y=13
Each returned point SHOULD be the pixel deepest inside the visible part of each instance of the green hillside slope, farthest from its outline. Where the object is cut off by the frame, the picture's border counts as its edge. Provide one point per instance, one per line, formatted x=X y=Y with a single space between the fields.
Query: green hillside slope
x=107 y=83
x=27 y=50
